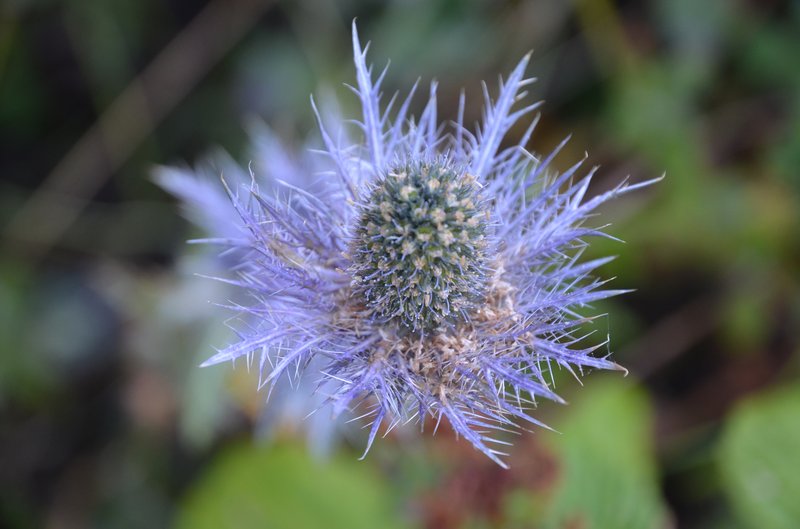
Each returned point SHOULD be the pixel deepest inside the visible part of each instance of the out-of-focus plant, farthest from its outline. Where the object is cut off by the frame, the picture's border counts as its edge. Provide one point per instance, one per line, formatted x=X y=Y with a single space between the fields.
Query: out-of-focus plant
x=759 y=460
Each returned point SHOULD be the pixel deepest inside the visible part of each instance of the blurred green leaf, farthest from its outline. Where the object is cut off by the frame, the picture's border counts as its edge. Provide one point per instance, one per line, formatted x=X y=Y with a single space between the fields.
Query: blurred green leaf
x=282 y=487
x=768 y=53
x=23 y=109
x=783 y=155
x=608 y=475
x=759 y=460
x=24 y=374
x=745 y=317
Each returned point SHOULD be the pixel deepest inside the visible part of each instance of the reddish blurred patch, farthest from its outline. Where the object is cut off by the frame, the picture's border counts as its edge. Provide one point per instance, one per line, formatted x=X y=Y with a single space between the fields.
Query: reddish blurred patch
x=474 y=487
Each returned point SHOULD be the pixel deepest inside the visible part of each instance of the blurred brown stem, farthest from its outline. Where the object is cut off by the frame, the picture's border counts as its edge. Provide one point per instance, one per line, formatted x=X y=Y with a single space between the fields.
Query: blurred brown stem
x=130 y=118
x=673 y=335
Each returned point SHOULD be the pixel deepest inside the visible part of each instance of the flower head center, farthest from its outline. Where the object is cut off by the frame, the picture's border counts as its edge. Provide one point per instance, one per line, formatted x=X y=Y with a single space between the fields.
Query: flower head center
x=419 y=246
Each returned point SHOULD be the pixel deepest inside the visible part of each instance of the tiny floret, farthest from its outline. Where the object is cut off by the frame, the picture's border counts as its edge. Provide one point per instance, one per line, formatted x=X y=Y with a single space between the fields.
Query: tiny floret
x=419 y=272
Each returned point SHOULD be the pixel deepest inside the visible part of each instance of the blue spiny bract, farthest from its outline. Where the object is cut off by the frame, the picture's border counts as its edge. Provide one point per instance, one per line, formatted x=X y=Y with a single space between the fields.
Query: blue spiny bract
x=419 y=249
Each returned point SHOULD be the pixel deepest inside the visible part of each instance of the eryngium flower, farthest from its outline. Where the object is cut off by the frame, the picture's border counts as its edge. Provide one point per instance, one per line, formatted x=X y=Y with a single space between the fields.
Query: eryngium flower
x=430 y=273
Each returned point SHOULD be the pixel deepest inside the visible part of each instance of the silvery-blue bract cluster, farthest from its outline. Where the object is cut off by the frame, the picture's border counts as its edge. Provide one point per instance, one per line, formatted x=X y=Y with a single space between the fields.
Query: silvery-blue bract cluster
x=428 y=273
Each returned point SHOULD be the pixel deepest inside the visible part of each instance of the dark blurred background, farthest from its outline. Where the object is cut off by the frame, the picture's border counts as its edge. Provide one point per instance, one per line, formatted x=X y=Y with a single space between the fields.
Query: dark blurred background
x=107 y=422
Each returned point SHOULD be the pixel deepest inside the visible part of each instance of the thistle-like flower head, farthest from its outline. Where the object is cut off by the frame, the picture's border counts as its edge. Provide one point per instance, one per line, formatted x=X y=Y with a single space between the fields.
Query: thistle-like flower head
x=429 y=274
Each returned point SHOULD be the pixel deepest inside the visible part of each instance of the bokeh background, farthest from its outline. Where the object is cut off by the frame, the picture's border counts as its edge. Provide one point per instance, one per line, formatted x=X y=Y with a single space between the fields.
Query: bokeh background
x=107 y=422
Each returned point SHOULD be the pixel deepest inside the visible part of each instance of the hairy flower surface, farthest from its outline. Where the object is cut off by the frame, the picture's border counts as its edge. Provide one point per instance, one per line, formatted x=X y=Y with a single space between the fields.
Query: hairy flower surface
x=429 y=274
